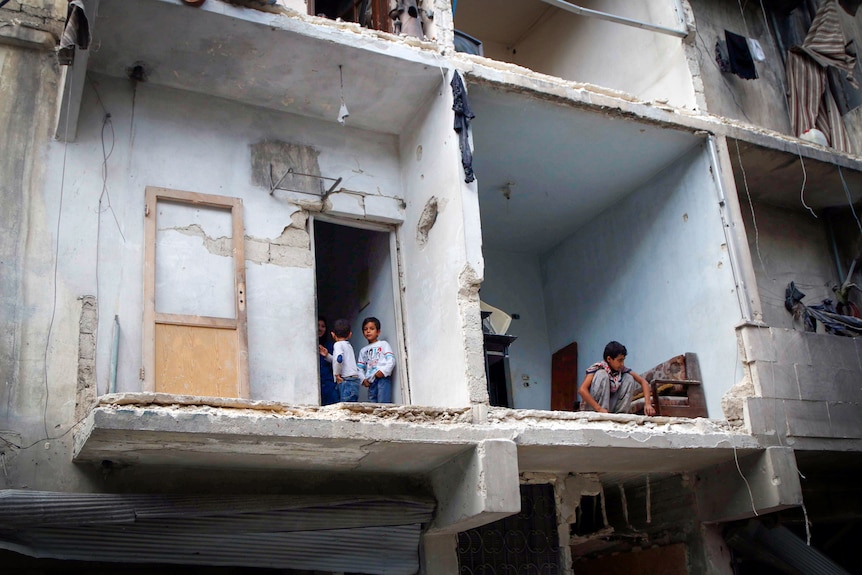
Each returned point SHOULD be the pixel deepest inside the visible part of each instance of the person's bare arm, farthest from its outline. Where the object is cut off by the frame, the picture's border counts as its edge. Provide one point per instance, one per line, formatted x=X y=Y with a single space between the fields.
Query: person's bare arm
x=584 y=390
x=648 y=408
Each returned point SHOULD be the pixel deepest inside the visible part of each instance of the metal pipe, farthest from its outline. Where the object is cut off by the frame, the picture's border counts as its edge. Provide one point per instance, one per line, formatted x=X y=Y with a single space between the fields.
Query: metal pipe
x=568 y=7
x=732 y=247
x=115 y=353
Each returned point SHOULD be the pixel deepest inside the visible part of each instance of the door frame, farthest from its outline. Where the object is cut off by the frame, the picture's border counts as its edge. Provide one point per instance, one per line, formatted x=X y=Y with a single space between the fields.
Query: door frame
x=151 y=317
x=400 y=346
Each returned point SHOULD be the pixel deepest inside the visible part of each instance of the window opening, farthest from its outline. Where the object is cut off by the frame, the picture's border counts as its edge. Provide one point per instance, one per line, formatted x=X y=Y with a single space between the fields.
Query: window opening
x=354 y=279
x=373 y=14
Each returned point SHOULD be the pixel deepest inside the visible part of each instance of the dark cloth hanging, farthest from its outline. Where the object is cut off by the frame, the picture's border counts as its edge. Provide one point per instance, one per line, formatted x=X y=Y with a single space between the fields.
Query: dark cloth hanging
x=463 y=115
x=76 y=33
x=721 y=57
x=739 y=55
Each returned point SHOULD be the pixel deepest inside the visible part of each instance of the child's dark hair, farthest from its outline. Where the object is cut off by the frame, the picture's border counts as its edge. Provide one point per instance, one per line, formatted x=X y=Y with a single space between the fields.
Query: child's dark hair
x=341 y=328
x=373 y=320
x=614 y=349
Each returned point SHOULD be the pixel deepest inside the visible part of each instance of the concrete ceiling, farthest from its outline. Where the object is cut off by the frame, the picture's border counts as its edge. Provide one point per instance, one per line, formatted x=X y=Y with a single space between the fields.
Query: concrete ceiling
x=502 y=21
x=566 y=165
x=785 y=180
x=265 y=59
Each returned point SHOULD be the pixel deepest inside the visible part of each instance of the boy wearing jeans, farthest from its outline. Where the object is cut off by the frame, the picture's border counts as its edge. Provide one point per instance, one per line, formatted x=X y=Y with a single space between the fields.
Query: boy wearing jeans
x=376 y=362
x=344 y=364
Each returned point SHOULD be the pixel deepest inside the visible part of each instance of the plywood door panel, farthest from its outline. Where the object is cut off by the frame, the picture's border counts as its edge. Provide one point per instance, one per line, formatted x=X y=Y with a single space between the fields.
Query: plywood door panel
x=564 y=378
x=196 y=361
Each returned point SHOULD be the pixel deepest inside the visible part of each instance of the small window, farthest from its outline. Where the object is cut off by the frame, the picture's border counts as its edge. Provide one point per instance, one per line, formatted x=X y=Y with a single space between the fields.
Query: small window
x=368 y=13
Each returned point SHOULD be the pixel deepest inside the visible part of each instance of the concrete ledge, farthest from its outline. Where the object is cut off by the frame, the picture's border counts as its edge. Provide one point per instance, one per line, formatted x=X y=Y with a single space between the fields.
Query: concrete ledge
x=476 y=488
x=748 y=486
x=228 y=433
x=13 y=34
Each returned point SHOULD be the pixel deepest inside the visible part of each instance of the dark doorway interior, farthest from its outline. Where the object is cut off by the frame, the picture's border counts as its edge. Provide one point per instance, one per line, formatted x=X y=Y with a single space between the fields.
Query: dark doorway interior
x=354 y=280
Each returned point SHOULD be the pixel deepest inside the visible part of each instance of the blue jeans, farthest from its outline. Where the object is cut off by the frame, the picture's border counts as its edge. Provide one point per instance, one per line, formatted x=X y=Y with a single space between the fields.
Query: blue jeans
x=380 y=390
x=348 y=390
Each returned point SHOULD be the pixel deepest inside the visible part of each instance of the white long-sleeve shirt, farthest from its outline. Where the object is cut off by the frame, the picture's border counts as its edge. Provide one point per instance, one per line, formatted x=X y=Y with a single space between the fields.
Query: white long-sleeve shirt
x=374 y=357
x=344 y=363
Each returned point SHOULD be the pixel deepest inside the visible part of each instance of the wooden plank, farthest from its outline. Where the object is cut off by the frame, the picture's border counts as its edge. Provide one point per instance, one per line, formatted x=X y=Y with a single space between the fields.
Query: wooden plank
x=240 y=292
x=564 y=378
x=195 y=198
x=148 y=327
x=196 y=320
x=196 y=361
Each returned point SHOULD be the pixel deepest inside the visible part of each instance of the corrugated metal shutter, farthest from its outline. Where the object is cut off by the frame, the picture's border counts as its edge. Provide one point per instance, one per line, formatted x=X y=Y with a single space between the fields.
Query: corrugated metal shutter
x=378 y=535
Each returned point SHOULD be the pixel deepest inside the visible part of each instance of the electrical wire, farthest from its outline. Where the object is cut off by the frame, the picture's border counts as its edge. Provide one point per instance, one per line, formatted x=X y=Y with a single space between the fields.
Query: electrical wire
x=747 y=486
x=56 y=265
x=751 y=206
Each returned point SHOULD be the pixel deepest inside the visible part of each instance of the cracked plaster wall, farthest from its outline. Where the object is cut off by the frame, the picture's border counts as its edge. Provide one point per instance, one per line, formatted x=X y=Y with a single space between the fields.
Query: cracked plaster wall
x=441 y=308
x=175 y=140
x=29 y=78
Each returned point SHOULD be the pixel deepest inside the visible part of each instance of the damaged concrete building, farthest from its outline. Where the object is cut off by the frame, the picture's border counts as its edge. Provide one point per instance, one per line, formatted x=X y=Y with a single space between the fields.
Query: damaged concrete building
x=188 y=185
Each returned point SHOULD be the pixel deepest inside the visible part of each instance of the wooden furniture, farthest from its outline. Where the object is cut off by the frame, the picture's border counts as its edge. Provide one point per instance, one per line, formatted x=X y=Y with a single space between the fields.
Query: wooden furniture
x=497 y=369
x=676 y=388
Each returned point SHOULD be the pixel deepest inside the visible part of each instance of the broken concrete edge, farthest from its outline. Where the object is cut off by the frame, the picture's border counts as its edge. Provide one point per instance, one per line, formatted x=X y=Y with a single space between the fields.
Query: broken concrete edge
x=145 y=399
x=21 y=34
x=285 y=19
x=514 y=78
x=492 y=416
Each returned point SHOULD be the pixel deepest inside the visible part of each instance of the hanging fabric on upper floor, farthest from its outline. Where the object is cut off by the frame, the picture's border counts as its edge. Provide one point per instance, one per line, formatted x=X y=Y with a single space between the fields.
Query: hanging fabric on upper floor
x=76 y=33
x=739 y=55
x=463 y=115
x=812 y=104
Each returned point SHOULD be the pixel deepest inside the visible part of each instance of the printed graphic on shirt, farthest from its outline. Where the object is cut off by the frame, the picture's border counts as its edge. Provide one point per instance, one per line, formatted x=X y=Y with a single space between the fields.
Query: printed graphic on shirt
x=340 y=358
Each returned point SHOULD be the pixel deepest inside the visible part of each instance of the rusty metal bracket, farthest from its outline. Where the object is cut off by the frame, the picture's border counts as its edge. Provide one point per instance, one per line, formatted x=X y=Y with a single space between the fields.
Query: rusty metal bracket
x=273 y=185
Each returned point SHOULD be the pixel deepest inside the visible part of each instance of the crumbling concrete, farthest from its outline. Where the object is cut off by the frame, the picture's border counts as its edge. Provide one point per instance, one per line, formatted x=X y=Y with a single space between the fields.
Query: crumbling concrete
x=85 y=396
x=426 y=220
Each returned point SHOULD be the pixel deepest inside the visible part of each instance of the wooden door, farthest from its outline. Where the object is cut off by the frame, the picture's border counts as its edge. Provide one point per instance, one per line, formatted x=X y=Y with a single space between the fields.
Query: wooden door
x=194 y=332
x=564 y=378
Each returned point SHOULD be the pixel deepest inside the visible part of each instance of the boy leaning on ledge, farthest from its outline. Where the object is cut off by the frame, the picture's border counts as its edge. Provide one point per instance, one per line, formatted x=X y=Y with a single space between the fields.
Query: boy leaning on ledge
x=609 y=385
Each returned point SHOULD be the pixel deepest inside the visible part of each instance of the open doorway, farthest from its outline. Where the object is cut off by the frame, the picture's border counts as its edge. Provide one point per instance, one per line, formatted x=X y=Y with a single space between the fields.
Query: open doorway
x=355 y=279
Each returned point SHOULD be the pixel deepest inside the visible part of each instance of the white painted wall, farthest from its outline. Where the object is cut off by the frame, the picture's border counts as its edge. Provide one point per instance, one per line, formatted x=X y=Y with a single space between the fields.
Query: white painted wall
x=513 y=283
x=645 y=64
x=653 y=273
x=439 y=353
x=172 y=139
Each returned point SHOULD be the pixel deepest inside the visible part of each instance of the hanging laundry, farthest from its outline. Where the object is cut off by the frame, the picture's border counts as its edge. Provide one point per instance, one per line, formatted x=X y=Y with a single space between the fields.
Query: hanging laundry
x=463 y=115
x=721 y=57
x=406 y=16
x=741 y=62
x=76 y=33
x=812 y=104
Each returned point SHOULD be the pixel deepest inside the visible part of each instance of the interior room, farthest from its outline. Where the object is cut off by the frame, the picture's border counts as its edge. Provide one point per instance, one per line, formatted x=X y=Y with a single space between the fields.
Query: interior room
x=802 y=219
x=353 y=269
x=584 y=41
x=598 y=228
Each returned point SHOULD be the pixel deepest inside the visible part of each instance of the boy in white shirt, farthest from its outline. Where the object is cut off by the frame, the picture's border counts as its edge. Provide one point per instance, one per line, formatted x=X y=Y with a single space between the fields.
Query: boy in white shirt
x=376 y=363
x=344 y=365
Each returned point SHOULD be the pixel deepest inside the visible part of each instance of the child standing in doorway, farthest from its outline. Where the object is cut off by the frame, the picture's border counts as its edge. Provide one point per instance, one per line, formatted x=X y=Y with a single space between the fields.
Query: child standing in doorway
x=344 y=366
x=376 y=363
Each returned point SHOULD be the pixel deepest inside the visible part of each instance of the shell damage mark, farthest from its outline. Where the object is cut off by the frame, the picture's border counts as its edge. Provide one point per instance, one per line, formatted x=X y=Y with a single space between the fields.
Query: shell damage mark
x=427 y=219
